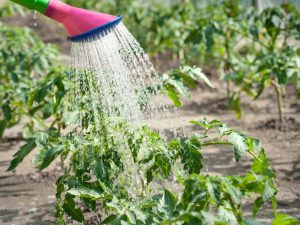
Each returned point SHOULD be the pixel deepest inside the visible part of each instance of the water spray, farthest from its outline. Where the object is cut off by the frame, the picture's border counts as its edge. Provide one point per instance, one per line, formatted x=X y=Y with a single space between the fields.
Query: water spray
x=113 y=81
x=78 y=23
x=110 y=70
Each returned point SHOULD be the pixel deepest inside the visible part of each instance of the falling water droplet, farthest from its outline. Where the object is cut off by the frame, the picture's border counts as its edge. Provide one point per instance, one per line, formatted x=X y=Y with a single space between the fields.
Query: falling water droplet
x=206 y=168
x=35 y=18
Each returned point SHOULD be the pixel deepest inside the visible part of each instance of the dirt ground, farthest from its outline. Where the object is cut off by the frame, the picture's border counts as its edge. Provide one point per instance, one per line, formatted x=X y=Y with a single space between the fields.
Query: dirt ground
x=28 y=196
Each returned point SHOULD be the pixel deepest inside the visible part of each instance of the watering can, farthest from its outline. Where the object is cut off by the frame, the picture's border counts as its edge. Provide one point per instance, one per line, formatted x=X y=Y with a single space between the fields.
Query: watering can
x=78 y=23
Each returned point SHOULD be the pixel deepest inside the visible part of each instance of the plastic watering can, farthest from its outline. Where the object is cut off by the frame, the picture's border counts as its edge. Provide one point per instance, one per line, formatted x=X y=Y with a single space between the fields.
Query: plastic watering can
x=78 y=23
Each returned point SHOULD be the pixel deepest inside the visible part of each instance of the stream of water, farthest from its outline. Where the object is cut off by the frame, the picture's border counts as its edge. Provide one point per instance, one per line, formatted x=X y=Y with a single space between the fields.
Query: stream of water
x=114 y=78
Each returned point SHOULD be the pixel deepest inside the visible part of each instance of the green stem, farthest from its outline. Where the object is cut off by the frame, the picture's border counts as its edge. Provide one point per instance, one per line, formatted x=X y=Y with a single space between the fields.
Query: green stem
x=279 y=99
x=209 y=143
x=228 y=65
x=255 y=156
x=236 y=211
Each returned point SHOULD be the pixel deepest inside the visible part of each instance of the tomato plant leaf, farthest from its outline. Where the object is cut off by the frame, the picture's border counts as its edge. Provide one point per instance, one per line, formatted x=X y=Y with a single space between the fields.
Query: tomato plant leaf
x=70 y=208
x=284 y=219
x=239 y=145
x=86 y=193
x=22 y=153
x=50 y=155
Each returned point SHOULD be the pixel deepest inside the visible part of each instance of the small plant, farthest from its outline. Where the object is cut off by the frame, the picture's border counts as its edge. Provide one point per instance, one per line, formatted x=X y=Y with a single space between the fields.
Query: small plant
x=120 y=179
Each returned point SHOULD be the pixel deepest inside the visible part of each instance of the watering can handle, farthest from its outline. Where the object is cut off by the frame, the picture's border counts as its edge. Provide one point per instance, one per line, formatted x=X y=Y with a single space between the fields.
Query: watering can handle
x=38 y=5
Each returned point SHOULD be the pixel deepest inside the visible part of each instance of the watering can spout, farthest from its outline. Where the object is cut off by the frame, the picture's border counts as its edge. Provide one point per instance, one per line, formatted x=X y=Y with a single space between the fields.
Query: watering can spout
x=78 y=23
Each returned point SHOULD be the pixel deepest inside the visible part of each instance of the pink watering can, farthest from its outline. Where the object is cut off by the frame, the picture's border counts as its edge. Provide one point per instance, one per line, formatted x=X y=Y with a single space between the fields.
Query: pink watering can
x=79 y=23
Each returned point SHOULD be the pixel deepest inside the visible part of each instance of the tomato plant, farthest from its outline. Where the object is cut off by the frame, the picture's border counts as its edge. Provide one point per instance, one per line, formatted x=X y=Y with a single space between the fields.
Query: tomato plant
x=120 y=180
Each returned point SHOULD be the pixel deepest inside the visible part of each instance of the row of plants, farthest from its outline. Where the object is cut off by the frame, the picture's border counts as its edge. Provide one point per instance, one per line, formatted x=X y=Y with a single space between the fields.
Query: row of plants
x=253 y=50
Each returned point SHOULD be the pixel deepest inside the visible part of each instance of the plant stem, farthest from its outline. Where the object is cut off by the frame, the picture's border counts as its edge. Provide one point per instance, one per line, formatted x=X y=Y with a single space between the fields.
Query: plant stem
x=209 y=143
x=255 y=156
x=278 y=91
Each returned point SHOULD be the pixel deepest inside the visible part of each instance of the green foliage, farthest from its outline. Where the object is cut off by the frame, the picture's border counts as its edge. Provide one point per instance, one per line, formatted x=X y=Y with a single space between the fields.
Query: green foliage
x=94 y=175
x=21 y=154
x=284 y=219
x=24 y=91
x=178 y=82
x=10 y=9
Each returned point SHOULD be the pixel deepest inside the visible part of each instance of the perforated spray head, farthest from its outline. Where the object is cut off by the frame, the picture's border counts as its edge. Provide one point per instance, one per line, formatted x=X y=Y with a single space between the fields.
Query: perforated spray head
x=78 y=23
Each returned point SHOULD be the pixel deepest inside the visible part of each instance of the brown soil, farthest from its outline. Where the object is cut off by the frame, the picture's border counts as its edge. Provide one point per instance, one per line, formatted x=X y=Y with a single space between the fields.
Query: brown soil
x=28 y=196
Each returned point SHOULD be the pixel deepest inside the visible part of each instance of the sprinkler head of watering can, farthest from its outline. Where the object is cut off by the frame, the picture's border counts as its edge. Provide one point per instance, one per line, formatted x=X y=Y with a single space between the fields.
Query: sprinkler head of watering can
x=79 y=23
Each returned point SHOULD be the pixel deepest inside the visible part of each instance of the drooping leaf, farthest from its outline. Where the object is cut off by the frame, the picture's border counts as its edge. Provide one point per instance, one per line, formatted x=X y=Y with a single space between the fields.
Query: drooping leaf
x=257 y=205
x=269 y=190
x=234 y=104
x=2 y=127
x=173 y=95
x=70 y=208
x=167 y=204
x=51 y=155
x=239 y=145
x=22 y=153
x=190 y=155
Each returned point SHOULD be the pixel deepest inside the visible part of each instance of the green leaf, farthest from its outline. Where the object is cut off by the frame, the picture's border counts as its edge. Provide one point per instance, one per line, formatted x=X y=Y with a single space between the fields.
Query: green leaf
x=262 y=166
x=254 y=31
x=234 y=192
x=51 y=155
x=2 y=127
x=257 y=205
x=234 y=104
x=111 y=220
x=7 y=112
x=284 y=219
x=252 y=222
x=204 y=123
x=208 y=35
x=226 y=214
x=41 y=137
x=70 y=208
x=41 y=93
x=167 y=204
x=202 y=76
x=239 y=145
x=173 y=95
x=130 y=217
x=21 y=154
x=214 y=189
x=298 y=88
x=269 y=190
x=86 y=193
x=190 y=155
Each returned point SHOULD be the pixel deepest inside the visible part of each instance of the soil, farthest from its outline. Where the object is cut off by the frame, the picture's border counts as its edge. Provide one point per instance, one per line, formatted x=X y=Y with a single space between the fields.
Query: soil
x=27 y=196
